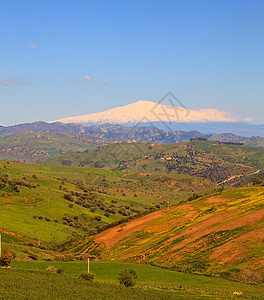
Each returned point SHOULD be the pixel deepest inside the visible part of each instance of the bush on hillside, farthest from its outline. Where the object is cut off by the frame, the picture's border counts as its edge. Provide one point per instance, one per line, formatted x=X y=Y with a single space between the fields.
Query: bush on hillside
x=69 y=197
x=60 y=271
x=193 y=197
x=32 y=255
x=7 y=256
x=127 y=277
x=87 y=276
x=257 y=180
x=98 y=218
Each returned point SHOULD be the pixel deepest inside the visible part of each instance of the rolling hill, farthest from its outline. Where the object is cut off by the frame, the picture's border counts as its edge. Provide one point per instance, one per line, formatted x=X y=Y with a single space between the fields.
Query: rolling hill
x=220 y=235
x=210 y=160
x=50 y=206
x=34 y=147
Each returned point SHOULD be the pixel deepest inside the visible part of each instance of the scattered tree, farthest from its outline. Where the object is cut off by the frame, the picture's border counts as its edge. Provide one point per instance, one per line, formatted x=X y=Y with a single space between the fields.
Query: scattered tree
x=7 y=256
x=127 y=277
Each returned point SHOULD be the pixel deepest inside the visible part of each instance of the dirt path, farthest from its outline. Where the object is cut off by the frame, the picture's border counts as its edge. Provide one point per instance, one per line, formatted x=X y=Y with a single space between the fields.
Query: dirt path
x=115 y=234
x=28 y=205
x=237 y=176
x=17 y=235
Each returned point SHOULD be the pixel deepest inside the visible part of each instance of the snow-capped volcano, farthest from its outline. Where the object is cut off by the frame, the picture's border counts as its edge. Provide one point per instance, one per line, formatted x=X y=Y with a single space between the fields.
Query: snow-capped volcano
x=149 y=111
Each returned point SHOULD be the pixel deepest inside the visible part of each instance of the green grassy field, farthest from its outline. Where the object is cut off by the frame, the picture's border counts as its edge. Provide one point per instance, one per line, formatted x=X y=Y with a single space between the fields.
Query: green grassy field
x=17 y=284
x=156 y=279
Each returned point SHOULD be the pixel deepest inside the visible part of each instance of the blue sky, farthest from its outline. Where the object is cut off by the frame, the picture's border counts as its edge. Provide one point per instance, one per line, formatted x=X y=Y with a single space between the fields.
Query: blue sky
x=66 y=58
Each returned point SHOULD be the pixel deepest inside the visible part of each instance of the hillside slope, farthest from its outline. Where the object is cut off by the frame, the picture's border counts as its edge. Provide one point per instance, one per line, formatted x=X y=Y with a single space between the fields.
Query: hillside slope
x=221 y=234
x=56 y=204
x=34 y=147
x=210 y=160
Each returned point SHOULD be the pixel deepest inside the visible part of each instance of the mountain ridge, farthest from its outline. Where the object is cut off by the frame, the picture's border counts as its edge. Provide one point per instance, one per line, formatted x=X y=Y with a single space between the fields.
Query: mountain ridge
x=117 y=132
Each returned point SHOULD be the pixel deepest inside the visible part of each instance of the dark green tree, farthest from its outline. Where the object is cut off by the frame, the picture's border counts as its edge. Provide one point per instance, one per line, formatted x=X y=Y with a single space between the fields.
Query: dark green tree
x=127 y=277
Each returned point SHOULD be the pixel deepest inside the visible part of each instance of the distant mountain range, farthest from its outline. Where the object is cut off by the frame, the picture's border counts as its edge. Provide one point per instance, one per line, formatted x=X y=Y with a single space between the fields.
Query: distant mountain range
x=115 y=132
x=171 y=118
x=40 y=141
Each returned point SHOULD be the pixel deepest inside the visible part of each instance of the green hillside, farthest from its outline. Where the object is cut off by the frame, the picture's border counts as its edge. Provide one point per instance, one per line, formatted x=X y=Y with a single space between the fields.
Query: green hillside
x=34 y=147
x=220 y=235
x=54 y=205
x=216 y=162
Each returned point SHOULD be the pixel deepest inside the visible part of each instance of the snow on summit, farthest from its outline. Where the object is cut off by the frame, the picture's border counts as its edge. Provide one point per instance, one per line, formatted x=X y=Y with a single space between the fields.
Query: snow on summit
x=149 y=111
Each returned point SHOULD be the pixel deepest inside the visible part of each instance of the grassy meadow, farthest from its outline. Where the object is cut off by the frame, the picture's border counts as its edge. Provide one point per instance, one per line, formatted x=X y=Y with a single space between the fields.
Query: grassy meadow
x=151 y=281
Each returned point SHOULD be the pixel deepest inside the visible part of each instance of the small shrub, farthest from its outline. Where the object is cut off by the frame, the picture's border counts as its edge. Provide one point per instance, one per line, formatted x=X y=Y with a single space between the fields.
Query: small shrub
x=64 y=257
x=87 y=276
x=127 y=277
x=48 y=258
x=92 y=209
x=98 y=218
x=7 y=256
x=60 y=271
x=41 y=246
x=51 y=269
x=68 y=197
x=194 y=196
x=85 y=228
x=257 y=180
x=92 y=231
x=32 y=255
x=220 y=190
